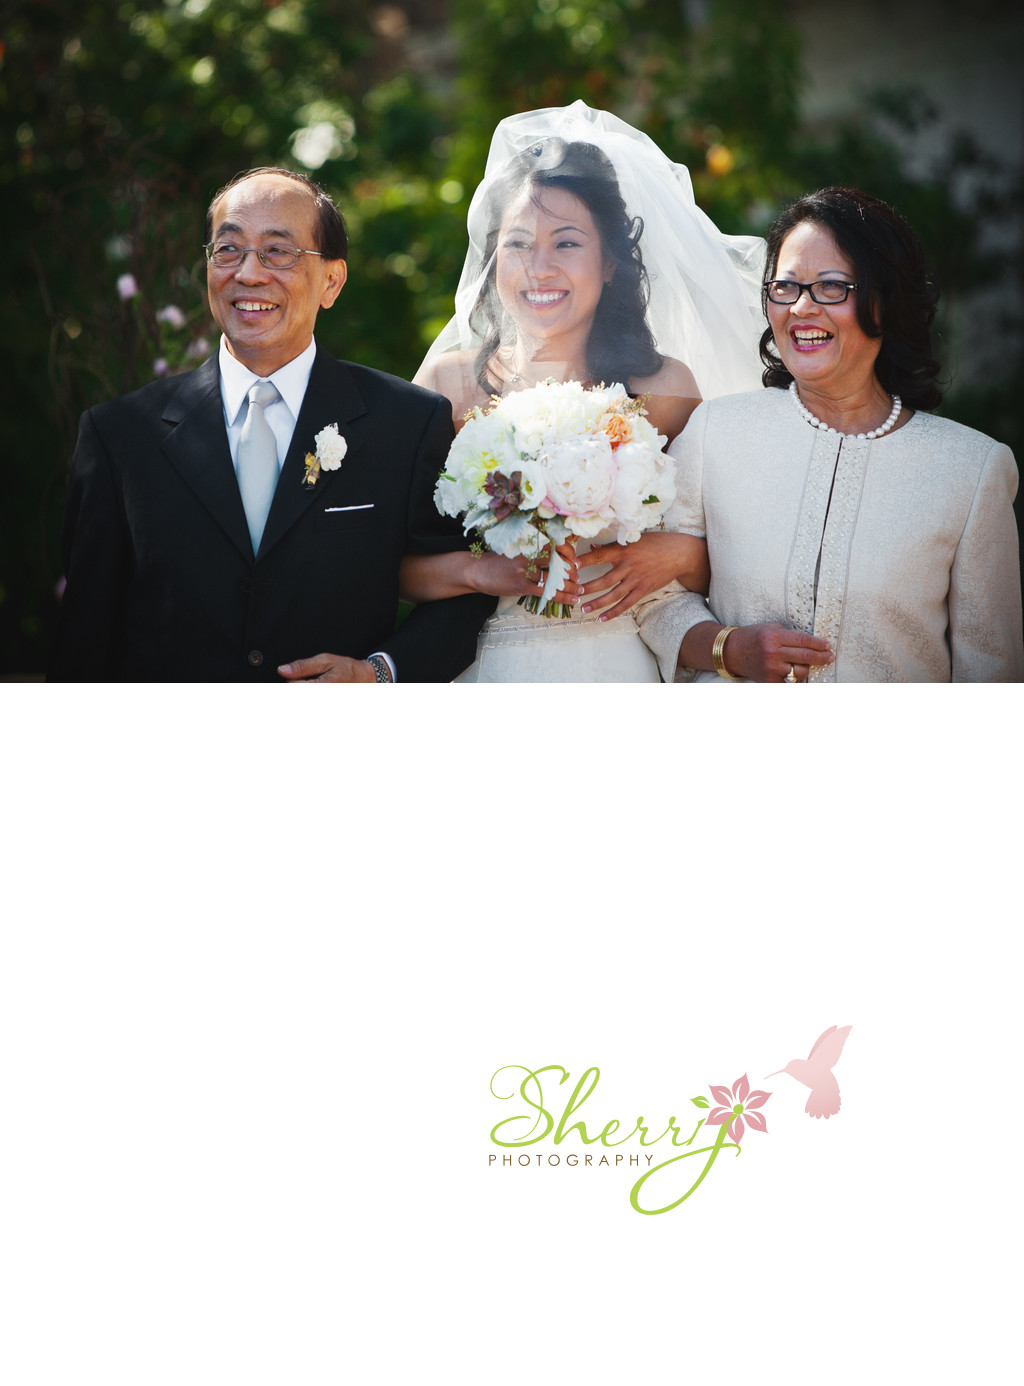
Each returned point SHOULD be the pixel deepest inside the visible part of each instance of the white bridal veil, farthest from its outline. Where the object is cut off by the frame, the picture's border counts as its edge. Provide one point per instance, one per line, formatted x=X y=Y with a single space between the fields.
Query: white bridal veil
x=705 y=287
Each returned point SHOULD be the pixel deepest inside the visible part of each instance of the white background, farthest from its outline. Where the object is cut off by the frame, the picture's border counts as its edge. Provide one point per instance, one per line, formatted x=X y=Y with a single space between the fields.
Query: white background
x=260 y=962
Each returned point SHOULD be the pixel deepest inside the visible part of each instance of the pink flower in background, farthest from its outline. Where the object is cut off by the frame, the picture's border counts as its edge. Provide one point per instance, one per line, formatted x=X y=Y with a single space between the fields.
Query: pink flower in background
x=127 y=287
x=160 y=366
x=171 y=315
x=738 y=1105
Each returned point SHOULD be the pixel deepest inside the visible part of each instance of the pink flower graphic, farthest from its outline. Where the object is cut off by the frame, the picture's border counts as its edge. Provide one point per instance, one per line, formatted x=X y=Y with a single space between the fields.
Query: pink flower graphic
x=738 y=1106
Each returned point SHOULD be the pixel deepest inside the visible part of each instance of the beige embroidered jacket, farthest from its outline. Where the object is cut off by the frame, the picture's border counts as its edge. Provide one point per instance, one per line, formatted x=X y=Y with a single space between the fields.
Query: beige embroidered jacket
x=902 y=551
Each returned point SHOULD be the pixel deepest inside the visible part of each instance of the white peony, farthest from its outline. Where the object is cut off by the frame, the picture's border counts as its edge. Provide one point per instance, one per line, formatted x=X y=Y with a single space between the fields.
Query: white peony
x=449 y=497
x=548 y=413
x=641 y=473
x=485 y=444
x=580 y=473
x=645 y=432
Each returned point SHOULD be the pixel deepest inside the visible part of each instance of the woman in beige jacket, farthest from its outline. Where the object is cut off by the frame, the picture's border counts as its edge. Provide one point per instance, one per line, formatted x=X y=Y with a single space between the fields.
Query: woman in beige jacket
x=852 y=536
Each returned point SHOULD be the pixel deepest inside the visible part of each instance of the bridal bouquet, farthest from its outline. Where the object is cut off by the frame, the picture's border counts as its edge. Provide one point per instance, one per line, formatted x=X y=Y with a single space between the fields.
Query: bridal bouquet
x=553 y=463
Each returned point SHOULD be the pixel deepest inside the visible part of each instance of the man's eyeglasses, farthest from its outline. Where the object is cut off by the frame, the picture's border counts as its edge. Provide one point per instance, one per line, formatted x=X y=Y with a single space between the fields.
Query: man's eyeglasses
x=821 y=291
x=227 y=255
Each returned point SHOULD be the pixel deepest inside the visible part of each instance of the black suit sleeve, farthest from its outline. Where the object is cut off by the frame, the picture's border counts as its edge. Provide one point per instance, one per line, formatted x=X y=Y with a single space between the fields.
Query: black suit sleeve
x=438 y=640
x=96 y=551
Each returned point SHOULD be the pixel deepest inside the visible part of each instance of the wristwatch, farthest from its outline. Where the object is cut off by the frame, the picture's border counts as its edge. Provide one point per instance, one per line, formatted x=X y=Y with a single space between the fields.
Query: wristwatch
x=380 y=668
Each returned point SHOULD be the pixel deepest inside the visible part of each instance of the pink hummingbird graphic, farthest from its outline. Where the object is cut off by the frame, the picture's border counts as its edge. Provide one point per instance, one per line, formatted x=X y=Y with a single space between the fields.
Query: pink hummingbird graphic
x=816 y=1072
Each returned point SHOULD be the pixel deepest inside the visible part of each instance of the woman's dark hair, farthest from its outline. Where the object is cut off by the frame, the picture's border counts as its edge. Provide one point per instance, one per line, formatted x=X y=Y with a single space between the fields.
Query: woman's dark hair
x=621 y=344
x=330 y=232
x=895 y=298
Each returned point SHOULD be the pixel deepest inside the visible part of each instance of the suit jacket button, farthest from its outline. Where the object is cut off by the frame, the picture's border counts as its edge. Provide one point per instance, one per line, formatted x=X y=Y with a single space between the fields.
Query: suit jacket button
x=255 y=658
x=245 y=588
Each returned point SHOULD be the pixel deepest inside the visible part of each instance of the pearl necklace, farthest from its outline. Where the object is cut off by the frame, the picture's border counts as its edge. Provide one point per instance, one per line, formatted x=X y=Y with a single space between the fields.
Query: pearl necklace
x=805 y=413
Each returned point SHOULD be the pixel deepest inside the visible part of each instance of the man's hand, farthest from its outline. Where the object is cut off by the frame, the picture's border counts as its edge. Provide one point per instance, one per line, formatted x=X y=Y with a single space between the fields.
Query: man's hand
x=328 y=668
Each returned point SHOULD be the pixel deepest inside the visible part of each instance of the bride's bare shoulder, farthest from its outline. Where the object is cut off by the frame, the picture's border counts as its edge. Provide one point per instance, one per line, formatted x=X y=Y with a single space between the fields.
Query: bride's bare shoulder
x=444 y=367
x=672 y=396
x=671 y=378
x=453 y=374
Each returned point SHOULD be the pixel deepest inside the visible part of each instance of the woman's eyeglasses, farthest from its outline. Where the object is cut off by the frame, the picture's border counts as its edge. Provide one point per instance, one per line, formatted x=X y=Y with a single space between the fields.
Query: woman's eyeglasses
x=821 y=291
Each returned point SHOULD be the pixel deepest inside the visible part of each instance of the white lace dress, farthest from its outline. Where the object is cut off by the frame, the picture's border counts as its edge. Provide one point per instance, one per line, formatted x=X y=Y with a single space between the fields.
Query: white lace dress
x=516 y=647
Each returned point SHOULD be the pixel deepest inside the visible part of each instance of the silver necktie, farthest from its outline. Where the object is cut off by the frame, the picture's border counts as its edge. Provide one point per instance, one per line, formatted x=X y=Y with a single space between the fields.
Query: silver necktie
x=257 y=461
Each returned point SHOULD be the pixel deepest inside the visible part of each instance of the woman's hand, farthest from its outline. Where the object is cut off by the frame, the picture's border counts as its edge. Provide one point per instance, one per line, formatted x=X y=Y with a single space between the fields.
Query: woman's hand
x=644 y=567
x=762 y=653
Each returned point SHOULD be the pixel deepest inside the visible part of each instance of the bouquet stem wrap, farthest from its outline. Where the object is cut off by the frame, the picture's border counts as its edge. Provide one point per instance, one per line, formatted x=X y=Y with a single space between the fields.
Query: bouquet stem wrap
x=558 y=571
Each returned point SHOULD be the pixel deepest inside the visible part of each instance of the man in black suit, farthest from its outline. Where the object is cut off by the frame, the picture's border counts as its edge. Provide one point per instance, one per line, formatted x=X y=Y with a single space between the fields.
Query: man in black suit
x=195 y=547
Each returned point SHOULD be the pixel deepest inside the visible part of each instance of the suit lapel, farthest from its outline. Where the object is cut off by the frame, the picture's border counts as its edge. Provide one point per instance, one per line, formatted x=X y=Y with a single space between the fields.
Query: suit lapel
x=197 y=447
x=331 y=397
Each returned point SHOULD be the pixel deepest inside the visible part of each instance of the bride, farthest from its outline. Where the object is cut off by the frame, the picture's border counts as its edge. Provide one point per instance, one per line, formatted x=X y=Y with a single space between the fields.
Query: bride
x=588 y=260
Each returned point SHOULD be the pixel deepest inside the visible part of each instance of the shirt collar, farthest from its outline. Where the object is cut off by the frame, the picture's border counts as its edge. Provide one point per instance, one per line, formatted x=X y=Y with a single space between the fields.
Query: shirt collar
x=237 y=380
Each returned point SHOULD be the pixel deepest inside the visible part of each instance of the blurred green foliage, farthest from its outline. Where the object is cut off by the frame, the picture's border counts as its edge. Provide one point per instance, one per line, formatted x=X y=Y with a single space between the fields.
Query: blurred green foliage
x=119 y=121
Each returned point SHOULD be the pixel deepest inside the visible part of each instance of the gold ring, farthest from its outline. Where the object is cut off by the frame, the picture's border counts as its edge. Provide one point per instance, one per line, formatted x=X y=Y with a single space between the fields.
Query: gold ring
x=791 y=676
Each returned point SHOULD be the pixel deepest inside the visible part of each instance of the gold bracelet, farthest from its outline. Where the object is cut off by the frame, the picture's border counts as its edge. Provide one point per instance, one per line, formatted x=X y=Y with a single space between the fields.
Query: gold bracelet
x=718 y=655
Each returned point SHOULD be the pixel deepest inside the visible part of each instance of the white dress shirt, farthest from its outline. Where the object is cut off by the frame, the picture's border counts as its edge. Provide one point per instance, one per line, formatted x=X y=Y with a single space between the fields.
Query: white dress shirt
x=237 y=380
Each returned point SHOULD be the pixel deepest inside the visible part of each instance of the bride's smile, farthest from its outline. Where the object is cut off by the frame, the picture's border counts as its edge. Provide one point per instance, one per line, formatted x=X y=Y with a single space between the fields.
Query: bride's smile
x=540 y=299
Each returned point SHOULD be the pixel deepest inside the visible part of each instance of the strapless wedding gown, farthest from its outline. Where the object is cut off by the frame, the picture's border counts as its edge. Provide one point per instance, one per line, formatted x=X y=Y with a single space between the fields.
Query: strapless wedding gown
x=517 y=647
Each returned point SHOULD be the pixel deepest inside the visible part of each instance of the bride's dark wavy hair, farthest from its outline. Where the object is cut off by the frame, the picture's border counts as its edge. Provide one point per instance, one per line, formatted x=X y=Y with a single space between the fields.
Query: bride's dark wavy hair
x=896 y=295
x=620 y=344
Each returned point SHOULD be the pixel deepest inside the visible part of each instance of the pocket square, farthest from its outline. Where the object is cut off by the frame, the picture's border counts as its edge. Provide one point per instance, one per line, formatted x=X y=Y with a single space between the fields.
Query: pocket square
x=334 y=509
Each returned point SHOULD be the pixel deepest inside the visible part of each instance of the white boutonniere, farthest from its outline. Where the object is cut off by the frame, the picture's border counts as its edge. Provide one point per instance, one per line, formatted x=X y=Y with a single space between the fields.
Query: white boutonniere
x=331 y=447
